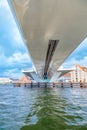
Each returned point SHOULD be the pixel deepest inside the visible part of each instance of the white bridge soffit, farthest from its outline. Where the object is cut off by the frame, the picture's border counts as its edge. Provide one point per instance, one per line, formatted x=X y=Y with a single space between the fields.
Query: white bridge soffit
x=42 y=20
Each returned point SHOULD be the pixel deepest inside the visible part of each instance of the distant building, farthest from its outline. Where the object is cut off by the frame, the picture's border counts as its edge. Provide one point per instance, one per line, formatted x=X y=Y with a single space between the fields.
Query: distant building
x=5 y=80
x=66 y=77
x=79 y=74
x=24 y=79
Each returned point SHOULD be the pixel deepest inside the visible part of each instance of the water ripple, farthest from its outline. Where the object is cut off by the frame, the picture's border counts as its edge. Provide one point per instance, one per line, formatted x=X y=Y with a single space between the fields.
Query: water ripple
x=43 y=108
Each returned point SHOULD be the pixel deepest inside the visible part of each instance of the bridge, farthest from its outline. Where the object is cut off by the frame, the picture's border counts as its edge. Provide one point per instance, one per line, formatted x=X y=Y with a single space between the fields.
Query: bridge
x=51 y=29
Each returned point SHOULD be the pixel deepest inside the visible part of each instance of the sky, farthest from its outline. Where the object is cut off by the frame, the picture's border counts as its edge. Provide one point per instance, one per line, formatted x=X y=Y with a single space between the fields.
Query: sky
x=13 y=52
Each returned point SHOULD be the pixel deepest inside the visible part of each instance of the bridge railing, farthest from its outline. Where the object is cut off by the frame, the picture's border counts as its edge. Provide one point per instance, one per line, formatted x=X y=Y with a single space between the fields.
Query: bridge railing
x=51 y=84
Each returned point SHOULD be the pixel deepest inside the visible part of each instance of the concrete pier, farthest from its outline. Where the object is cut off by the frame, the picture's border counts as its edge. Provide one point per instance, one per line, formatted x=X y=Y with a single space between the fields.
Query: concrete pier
x=71 y=85
x=62 y=85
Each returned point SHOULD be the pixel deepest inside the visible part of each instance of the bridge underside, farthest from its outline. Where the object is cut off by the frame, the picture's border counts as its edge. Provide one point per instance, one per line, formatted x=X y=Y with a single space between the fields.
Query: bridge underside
x=55 y=77
x=61 y=24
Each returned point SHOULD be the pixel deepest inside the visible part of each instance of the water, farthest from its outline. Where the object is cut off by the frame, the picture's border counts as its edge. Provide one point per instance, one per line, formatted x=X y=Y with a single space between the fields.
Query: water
x=43 y=108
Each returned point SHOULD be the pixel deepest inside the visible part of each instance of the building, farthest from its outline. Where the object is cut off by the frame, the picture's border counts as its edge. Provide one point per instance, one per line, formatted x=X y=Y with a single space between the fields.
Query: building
x=79 y=74
x=67 y=77
x=5 y=80
x=24 y=79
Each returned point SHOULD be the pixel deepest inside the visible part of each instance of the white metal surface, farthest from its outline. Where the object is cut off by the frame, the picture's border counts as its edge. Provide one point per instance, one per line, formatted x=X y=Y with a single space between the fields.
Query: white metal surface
x=44 y=20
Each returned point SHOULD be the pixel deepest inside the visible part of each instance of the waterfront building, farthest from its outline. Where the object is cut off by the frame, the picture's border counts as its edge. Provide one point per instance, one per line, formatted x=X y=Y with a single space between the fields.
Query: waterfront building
x=24 y=79
x=67 y=77
x=79 y=74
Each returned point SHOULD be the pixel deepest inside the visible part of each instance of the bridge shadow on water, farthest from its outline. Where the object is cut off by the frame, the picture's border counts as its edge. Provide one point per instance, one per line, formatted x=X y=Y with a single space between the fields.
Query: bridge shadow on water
x=53 y=111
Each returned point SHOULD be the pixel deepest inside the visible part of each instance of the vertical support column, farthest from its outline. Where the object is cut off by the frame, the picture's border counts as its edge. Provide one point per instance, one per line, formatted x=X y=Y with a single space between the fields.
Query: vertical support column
x=53 y=84
x=81 y=85
x=62 y=85
x=19 y=84
x=38 y=84
x=71 y=84
x=25 y=85
x=45 y=85
x=31 y=84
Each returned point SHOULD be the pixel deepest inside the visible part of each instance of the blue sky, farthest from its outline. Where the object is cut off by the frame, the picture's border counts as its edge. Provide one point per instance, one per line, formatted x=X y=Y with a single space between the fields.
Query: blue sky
x=13 y=52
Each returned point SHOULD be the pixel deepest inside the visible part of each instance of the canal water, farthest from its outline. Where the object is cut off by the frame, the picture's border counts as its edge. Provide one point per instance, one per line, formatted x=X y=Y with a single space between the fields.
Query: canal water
x=23 y=108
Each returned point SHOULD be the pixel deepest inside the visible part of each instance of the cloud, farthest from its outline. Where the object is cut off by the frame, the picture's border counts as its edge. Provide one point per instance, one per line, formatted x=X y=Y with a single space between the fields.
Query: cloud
x=8 y=26
x=13 y=53
x=73 y=61
x=12 y=73
x=19 y=57
x=3 y=3
x=11 y=66
x=16 y=37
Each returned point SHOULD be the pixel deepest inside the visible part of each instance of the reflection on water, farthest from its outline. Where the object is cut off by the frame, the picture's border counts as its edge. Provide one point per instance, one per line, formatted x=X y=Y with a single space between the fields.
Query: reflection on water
x=53 y=111
x=43 y=108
